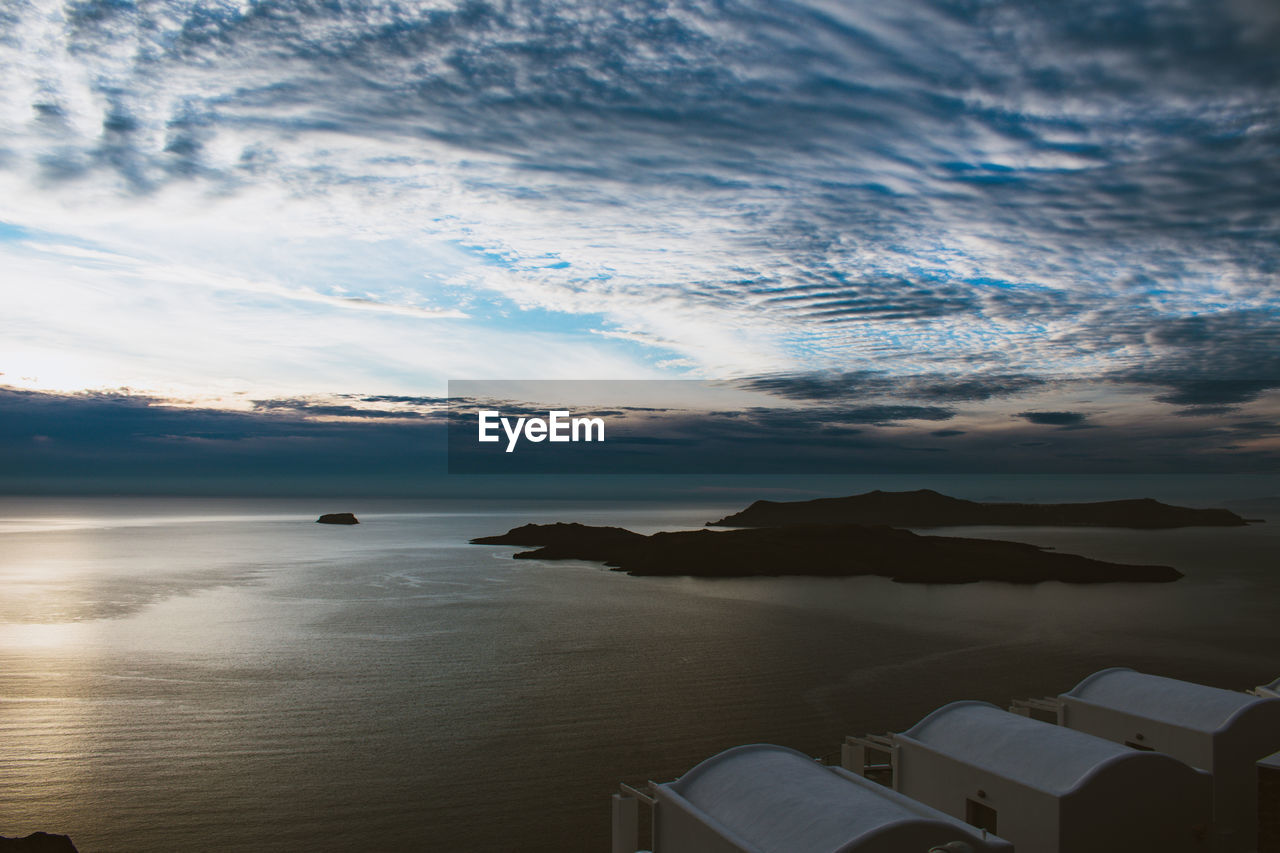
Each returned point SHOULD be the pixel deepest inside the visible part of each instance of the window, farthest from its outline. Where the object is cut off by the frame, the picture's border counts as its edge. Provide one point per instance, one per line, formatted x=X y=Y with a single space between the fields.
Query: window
x=980 y=815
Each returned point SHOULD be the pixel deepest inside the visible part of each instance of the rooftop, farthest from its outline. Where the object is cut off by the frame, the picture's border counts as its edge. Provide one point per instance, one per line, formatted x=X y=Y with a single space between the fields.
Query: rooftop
x=1168 y=700
x=775 y=798
x=1038 y=755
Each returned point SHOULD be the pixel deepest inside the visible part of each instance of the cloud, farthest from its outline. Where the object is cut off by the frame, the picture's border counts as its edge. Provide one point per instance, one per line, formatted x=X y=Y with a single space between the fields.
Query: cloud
x=1216 y=393
x=1061 y=419
x=864 y=384
x=1224 y=346
x=124 y=443
x=333 y=410
x=737 y=189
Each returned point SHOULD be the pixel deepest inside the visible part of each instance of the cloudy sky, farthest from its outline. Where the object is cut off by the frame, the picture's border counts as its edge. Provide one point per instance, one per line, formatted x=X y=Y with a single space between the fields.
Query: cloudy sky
x=284 y=205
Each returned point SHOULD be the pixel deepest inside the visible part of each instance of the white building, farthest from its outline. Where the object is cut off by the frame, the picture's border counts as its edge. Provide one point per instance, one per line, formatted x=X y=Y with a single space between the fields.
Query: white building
x=1049 y=789
x=1269 y=787
x=770 y=799
x=1271 y=690
x=1222 y=732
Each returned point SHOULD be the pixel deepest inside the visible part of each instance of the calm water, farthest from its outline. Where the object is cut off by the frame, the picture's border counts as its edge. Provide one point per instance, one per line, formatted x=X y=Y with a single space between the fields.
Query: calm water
x=192 y=675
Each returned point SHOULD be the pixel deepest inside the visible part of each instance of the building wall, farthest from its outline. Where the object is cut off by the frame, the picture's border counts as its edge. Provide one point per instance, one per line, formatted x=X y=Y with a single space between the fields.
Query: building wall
x=678 y=829
x=1190 y=747
x=1127 y=806
x=910 y=838
x=1025 y=817
x=1235 y=794
x=1269 y=807
x=1140 y=806
x=1228 y=755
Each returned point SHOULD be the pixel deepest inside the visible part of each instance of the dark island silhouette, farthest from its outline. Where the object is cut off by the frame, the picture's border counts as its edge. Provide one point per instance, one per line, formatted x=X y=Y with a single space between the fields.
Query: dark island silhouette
x=337 y=518
x=826 y=550
x=37 y=842
x=927 y=508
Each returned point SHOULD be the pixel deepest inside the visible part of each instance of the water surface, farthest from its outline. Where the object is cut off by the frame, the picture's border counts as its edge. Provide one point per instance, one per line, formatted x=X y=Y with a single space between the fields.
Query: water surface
x=208 y=675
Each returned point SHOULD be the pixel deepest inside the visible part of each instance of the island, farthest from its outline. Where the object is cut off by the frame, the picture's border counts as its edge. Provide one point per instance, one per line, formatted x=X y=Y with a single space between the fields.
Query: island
x=823 y=550
x=337 y=518
x=37 y=842
x=927 y=508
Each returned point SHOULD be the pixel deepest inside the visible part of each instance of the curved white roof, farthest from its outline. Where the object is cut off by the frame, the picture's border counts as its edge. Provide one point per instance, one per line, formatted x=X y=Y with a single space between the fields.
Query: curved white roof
x=779 y=799
x=1168 y=700
x=1038 y=755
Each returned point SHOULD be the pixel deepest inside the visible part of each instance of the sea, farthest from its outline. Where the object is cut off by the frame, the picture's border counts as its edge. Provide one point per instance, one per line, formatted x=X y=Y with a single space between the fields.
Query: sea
x=193 y=674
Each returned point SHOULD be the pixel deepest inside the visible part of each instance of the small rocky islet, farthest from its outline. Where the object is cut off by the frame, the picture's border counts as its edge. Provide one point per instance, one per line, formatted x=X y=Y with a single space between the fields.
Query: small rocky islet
x=337 y=518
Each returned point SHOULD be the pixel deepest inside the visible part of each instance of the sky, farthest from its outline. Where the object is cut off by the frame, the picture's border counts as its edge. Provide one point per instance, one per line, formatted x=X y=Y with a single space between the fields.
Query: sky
x=237 y=226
